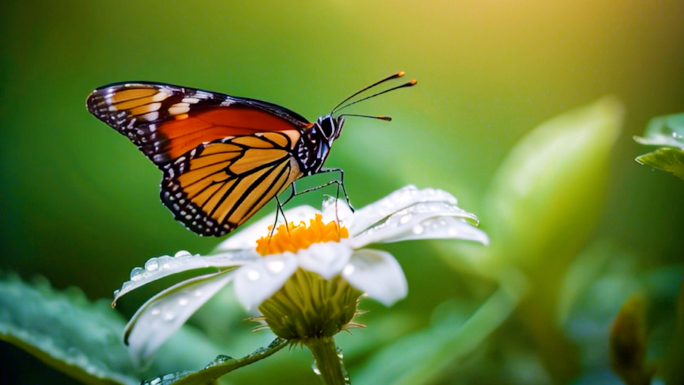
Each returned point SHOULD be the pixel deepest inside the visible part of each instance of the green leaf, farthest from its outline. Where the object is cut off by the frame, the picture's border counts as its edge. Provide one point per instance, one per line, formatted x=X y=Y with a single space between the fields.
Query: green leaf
x=545 y=201
x=664 y=131
x=667 y=159
x=65 y=331
x=548 y=194
x=217 y=368
x=424 y=356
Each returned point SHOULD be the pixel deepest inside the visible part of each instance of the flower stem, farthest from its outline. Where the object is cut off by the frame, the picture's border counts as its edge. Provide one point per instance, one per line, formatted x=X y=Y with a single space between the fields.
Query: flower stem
x=328 y=362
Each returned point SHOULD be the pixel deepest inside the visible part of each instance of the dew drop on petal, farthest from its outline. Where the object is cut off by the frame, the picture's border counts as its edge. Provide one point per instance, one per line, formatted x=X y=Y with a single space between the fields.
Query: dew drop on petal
x=136 y=274
x=348 y=269
x=275 y=266
x=152 y=264
x=182 y=253
x=405 y=219
x=168 y=316
x=315 y=369
x=253 y=275
x=155 y=311
x=418 y=229
x=182 y=301
x=197 y=293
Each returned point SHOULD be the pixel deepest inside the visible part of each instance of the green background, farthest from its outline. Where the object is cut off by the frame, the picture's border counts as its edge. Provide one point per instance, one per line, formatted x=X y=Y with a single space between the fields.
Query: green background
x=80 y=204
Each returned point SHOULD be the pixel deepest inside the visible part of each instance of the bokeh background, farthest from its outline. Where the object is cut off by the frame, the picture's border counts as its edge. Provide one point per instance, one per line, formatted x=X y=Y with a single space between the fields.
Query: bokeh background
x=80 y=204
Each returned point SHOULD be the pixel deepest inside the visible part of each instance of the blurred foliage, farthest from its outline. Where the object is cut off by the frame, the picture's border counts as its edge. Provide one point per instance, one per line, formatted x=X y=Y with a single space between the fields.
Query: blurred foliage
x=666 y=131
x=81 y=207
x=628 y=343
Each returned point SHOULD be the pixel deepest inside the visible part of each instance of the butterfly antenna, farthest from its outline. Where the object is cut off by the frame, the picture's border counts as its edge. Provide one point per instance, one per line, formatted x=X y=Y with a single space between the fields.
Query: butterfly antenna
x=393 y=76
x=411 y=83
x=385 y=118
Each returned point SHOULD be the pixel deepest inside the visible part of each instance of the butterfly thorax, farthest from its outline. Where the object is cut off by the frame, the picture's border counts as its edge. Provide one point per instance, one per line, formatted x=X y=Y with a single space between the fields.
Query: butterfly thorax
x=314 y=146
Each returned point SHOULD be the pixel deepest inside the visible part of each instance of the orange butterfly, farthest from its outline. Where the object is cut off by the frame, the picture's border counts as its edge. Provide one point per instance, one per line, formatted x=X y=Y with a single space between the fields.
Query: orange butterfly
x=223 y=157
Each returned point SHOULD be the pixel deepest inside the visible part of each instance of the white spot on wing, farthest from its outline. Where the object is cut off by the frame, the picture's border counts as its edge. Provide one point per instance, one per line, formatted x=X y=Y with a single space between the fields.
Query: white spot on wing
x=158 y=97
x=150 y=116
x=179 y=108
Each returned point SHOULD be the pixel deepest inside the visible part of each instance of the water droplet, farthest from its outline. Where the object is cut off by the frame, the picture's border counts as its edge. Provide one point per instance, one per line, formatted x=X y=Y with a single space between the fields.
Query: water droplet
x=136 y=274
x=197 y=293
x=182 y=302
x=418 y=229
x=329 y=201
x=152 y=264
x=155 y=311
x=405 y=219
x=253 y=275
x=275 y=266
x=168 y=316
x=182 y=253
x=349 y=269
x=315 y=368
x=219 y=360
x=453 y=232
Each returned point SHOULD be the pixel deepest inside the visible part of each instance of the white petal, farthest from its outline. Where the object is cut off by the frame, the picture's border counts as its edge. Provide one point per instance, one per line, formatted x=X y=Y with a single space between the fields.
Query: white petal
x=164 y=266
x=337 y=210
x=257 y=281
x=167 y=311
x=378 y=274
x=411 y=221
x=442 y=228
x=396 y=201
x=327 y=259
x=247 y=237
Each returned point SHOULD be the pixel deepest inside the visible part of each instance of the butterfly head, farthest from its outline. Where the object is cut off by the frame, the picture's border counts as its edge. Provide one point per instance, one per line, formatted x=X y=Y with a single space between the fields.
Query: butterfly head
x=329 y=127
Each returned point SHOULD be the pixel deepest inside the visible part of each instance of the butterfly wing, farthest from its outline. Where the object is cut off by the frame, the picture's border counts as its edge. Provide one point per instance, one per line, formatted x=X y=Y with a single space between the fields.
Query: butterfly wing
x=223 y=157
x=220 y=185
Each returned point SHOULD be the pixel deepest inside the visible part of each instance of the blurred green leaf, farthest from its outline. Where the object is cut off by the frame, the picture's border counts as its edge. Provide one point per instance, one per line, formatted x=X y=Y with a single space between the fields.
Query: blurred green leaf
x=667 y=131
x=667 y=159
x=672 y=368
x=545 y=200
x=65 y=331
x=84 y=339
x=664 y=131
x=546 y=197
x=423 y=356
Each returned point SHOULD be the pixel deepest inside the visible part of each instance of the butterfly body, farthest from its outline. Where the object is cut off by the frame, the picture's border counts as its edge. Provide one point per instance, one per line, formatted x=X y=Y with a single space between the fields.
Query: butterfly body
x=223 y=157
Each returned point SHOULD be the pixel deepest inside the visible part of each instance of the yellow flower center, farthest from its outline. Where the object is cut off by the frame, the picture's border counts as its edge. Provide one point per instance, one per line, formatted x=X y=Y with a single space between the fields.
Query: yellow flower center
x=297 y=237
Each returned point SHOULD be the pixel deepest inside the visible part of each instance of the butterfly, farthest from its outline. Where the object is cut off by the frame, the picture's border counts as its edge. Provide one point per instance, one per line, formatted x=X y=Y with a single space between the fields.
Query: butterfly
x=222 y=157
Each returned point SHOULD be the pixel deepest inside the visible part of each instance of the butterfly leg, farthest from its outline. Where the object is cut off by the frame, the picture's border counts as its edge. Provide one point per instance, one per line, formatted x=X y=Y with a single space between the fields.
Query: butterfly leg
x=280 y=211
x=339 y=182
x=293 y=193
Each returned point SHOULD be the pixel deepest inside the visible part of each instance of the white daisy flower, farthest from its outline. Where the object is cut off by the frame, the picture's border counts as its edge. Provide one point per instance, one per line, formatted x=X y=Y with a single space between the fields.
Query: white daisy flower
x=305 y=280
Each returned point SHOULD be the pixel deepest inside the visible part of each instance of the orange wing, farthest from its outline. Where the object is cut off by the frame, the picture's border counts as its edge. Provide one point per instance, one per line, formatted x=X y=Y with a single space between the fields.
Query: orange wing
x=223 y=157
x=222 y=184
